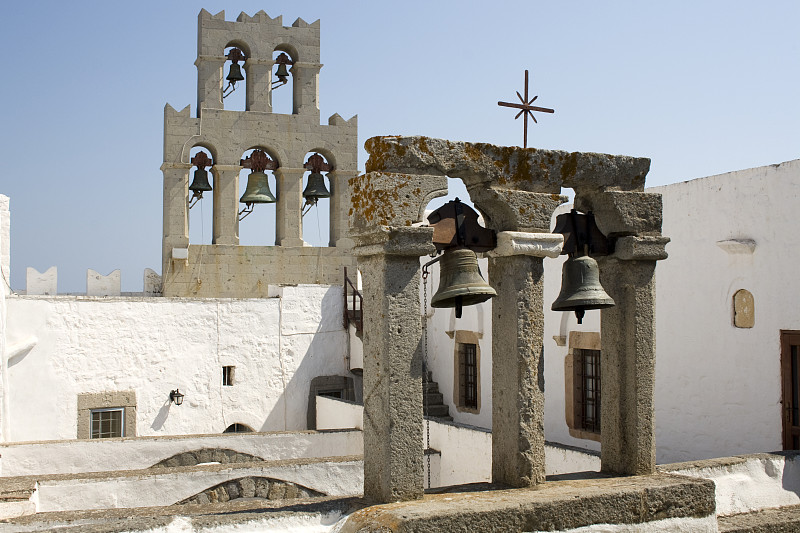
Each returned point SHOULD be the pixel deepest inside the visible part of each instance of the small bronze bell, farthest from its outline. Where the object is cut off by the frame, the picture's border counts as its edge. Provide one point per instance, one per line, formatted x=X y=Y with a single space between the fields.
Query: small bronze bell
x=200 y=182
x=460 y=281
x=282 y=73
x=315 y=188
x=580 y=288
x=235 y=73
x=257 y=191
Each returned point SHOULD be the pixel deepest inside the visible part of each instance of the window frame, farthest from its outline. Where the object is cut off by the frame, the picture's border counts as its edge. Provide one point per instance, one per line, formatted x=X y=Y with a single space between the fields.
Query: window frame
x=228 y=375
x=573 y=389
x=89 y=402
x=93 y=412
x=463 y=388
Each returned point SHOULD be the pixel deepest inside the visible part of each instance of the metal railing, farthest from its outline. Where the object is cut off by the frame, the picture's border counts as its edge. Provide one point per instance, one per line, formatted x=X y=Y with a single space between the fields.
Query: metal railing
x=354 y=308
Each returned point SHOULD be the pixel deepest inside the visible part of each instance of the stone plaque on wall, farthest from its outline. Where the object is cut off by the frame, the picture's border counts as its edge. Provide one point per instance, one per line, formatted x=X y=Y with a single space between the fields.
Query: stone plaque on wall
x=744 y=313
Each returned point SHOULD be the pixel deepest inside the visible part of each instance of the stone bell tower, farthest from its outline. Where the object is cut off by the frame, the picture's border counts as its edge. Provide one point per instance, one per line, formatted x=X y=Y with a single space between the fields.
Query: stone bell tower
x=225 y=268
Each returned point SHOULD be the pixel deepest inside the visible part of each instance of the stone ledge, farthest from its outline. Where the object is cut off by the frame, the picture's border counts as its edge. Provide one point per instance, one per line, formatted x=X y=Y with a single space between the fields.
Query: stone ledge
x=780 y=520
x=553 y=506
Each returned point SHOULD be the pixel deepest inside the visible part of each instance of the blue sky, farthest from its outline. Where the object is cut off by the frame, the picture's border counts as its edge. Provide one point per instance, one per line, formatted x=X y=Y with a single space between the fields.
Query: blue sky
x=701 y=88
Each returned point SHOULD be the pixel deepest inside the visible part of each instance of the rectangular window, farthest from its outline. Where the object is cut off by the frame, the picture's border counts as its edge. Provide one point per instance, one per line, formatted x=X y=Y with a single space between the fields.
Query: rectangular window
x=468 y=375
x=227 y=375
x=108 y=423
x=587 y=383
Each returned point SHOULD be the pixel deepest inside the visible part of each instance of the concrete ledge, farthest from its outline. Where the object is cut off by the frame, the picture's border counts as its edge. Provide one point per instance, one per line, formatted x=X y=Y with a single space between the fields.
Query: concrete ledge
x=553 y=506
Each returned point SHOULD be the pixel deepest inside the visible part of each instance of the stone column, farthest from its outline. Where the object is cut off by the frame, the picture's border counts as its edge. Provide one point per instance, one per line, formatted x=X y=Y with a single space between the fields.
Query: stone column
x=628 y=360
x=176 y=211
x=628 y=334
x=209 y=82
x=516 y=272
x=226 y=204
x=258 y=80
x=289 y=223
x=340 y=202
x=305 y=78
x=388 y=258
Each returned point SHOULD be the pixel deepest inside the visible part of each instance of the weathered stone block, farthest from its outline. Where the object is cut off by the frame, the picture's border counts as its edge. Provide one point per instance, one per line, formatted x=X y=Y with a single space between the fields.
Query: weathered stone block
x=510 y=210
x=262 y=488
x=277 y=490
x=391 y=199
x=622 y=212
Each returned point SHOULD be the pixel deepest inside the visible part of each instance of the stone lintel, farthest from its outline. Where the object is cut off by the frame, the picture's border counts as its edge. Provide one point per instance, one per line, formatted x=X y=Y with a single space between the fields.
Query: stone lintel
x=554 y=506
x=403 y=241
x=533 y=244
x=391 y=199
x=508 y=167
x=641 y=248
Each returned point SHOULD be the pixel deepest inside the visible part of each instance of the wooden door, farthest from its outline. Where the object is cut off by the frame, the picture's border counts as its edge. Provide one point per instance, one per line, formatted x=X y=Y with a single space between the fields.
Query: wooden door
x=790 y=378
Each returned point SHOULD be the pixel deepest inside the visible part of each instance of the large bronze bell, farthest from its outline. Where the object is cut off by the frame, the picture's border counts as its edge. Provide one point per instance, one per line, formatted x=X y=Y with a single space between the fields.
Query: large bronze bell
x=460 y=281
x=200 y=182
x=235 y=73
x=315 y=188
x=257 y=191
x=580 y=288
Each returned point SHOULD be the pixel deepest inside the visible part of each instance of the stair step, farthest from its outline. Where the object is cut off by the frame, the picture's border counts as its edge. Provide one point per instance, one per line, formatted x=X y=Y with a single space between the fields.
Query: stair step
x=430 y=387
x=437 y=410
x=434 y=398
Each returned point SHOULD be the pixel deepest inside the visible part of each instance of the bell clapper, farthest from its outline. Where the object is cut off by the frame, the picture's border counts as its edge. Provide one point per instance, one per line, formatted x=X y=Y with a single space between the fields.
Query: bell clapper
x=579 y=315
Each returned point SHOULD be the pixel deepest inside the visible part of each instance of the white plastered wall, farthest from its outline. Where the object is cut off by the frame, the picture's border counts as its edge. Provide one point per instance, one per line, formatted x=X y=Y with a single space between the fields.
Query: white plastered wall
x=718 y=387
x=154 y=345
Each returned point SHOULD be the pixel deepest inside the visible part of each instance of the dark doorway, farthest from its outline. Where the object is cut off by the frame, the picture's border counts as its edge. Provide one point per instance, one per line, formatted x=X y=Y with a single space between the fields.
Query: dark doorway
x=790 y=379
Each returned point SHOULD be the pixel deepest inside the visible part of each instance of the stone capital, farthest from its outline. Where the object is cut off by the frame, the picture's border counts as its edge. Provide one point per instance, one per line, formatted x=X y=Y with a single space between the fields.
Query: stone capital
x=388 y=240
x=532 y=244
x=309 y=66
x=641 y=248
x=289 y=171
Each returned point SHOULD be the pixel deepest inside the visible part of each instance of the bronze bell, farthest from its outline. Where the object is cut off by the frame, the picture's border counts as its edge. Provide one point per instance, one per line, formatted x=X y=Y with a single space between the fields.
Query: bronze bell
x=235 y=73
x=580 y=288
x=257 y=191
x=460 y=281
x=200 y=182
x=282 y=73
x=315 y=188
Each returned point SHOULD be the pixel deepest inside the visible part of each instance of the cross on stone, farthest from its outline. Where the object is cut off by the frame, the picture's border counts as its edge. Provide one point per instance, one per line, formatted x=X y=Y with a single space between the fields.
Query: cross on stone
x=526 y=109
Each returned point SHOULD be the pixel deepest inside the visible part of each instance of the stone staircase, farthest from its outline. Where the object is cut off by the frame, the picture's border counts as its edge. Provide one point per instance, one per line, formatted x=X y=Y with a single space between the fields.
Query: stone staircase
x=434 y=400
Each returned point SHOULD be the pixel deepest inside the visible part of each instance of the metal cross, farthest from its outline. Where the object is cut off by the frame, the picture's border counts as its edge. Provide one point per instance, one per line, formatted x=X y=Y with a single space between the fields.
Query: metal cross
x=527 y=109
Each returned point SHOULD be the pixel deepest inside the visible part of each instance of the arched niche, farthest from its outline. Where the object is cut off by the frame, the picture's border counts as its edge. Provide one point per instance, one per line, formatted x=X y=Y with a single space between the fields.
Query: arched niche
x=201 y=212
x=317 y=211
x=234 y=97
x=283 y=94
x=258 y=227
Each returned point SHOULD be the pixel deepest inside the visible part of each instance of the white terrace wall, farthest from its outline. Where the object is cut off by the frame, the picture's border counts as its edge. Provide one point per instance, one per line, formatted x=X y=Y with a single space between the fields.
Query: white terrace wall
x=79 y=345
x=718 y=389
x=5 y=289
x=106 y=455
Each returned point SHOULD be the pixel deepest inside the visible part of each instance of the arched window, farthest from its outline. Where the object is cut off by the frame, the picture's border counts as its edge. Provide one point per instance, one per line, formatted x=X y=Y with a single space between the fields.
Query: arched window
x=282 y=88
x=238 y=428
x=316 y=200
x=201 y=200
x=257 y=196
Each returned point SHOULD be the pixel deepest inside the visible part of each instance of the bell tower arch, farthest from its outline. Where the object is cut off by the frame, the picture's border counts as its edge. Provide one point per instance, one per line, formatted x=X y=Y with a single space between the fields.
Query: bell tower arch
x=225 y=268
